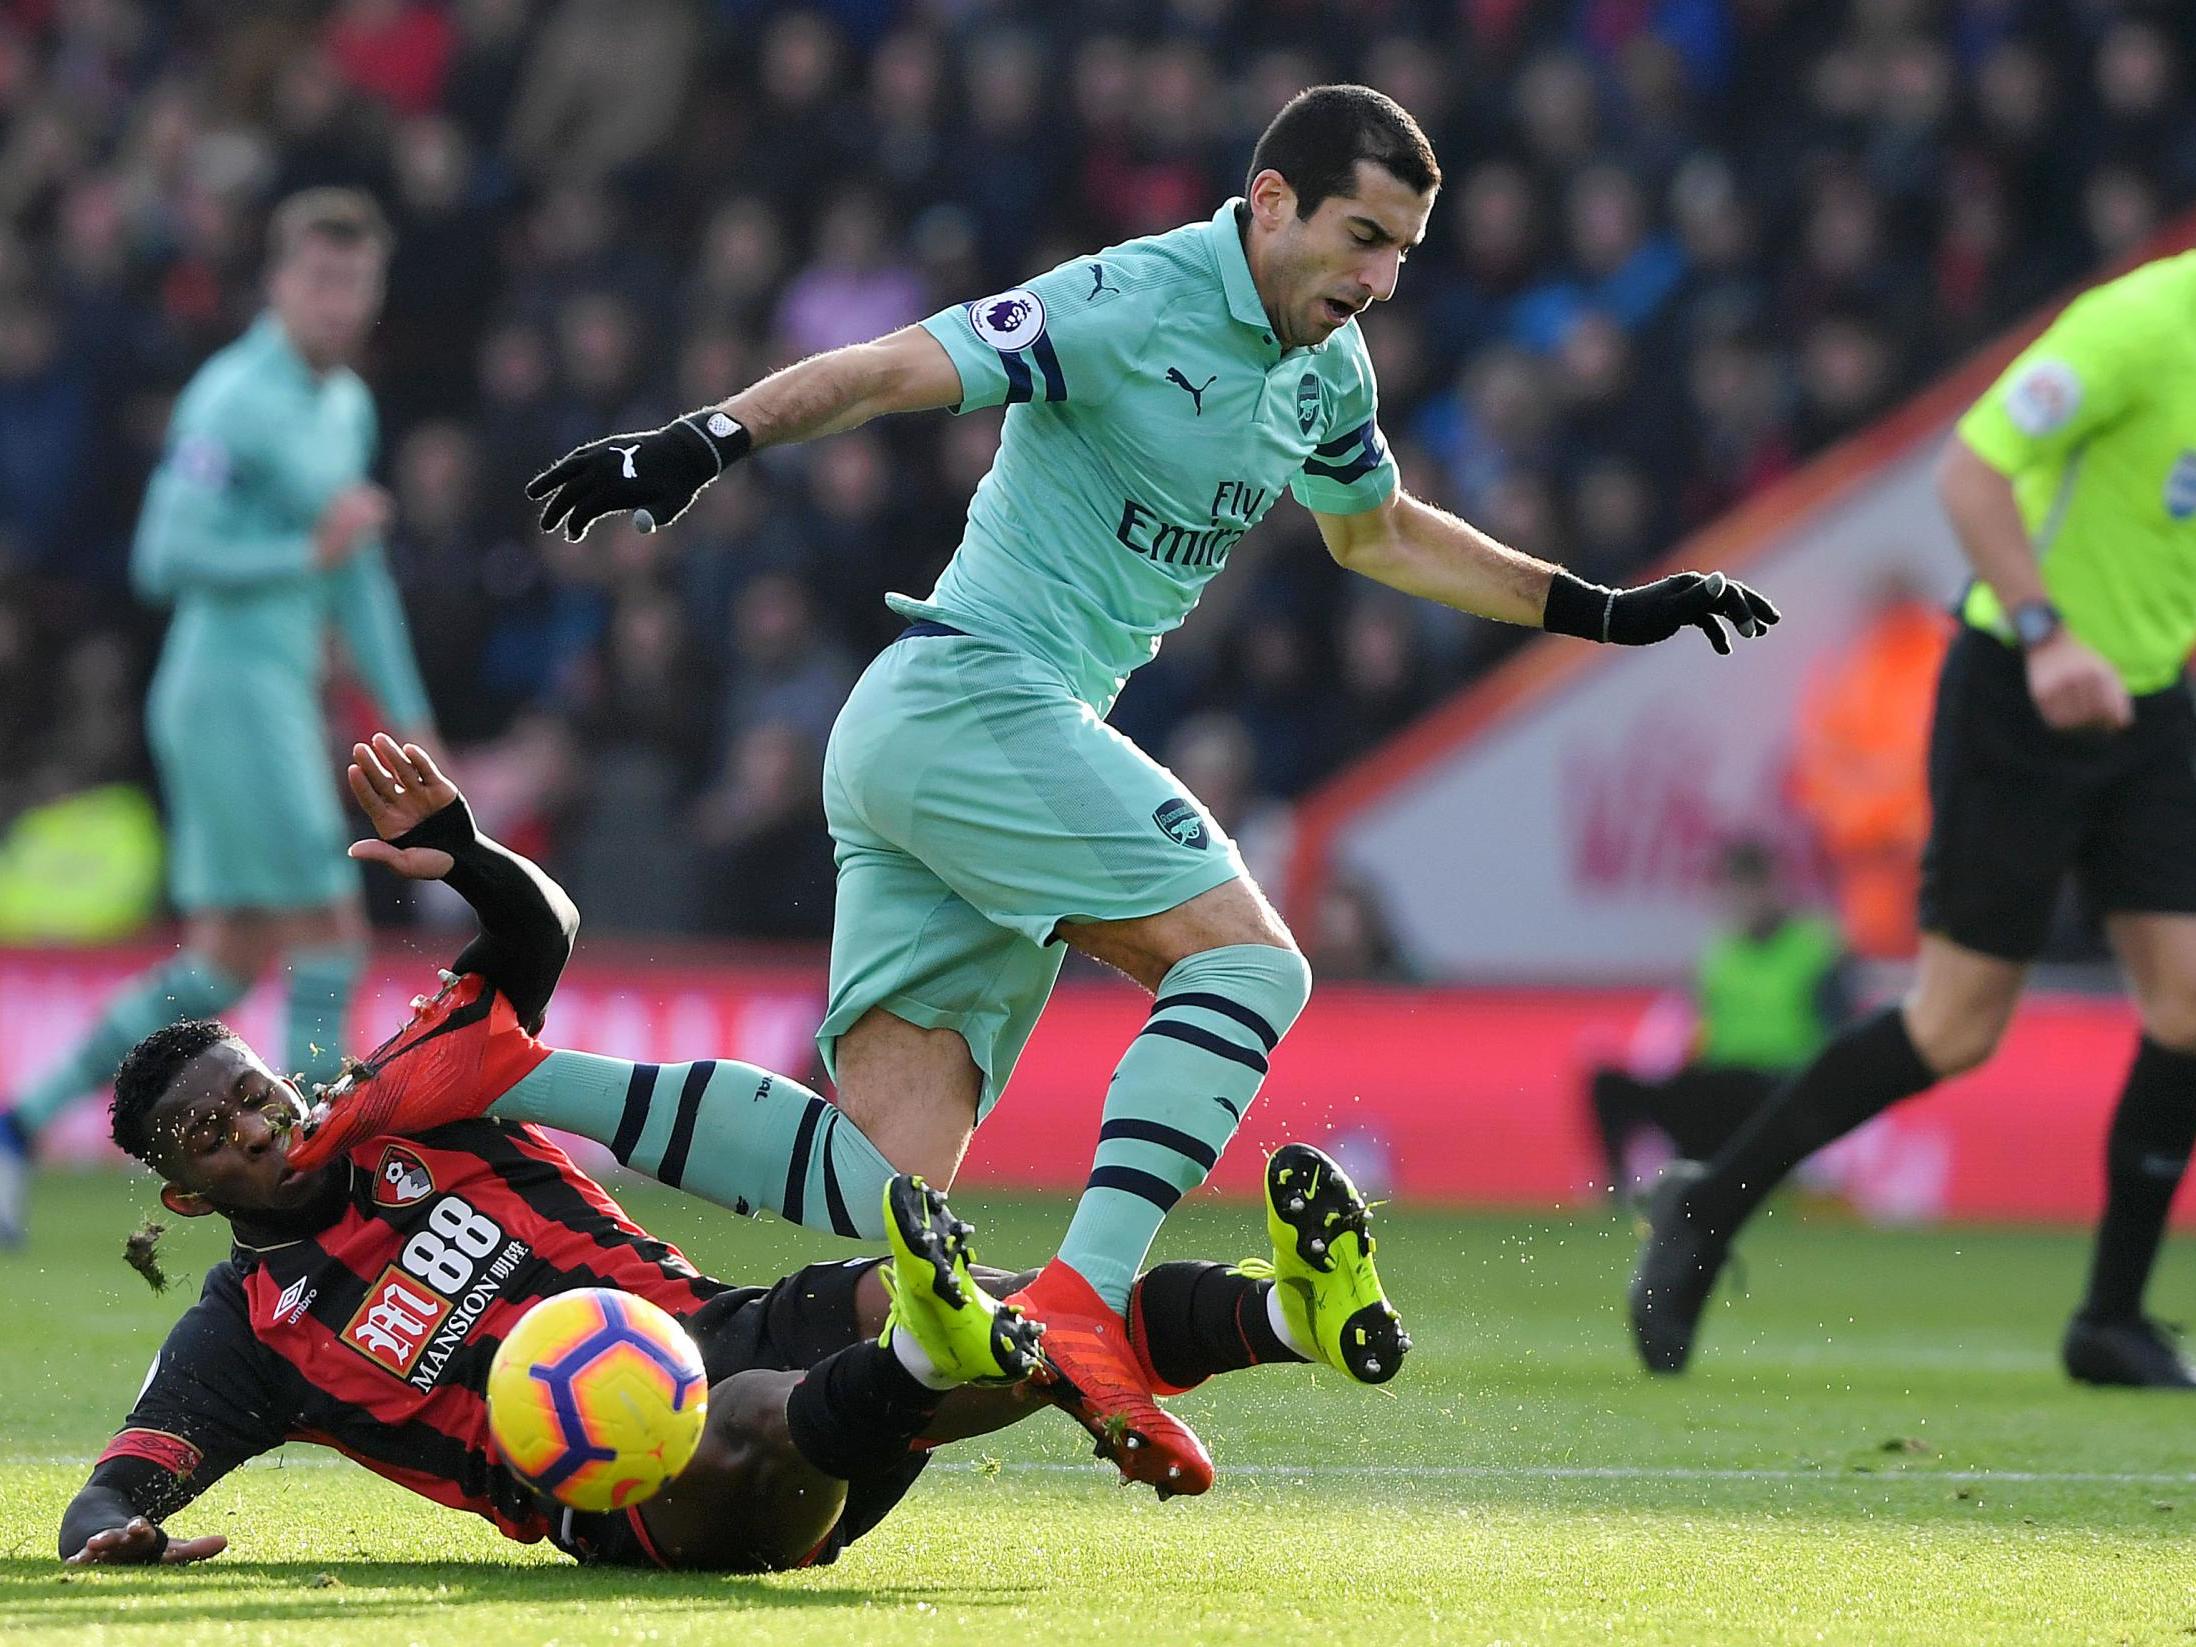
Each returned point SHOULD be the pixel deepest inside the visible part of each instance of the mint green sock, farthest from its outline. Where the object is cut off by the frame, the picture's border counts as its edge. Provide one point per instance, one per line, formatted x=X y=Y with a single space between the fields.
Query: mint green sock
x=1177 y=1097
x=319 y=986
x=725 y=1131
x=188 y=986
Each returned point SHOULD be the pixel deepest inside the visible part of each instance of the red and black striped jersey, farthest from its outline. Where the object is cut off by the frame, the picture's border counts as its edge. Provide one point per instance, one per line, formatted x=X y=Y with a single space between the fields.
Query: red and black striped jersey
x=374 y=1335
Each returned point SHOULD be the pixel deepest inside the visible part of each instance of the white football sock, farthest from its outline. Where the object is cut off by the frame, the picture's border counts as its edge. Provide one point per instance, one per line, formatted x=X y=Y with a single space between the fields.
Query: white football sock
x=1278 y=1318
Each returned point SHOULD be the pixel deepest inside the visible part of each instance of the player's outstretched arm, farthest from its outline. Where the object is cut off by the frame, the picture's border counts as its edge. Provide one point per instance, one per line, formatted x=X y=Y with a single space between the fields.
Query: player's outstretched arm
x=657 y=473
x=101 y=1529
x=427 y=833
x=1410 y=545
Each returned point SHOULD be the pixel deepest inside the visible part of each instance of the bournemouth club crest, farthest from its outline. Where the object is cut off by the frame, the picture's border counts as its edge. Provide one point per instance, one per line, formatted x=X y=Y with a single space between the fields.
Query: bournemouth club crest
x=402 y=1179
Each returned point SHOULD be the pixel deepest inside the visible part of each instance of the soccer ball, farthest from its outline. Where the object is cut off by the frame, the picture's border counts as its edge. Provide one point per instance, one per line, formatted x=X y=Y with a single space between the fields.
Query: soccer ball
x=597 y=1398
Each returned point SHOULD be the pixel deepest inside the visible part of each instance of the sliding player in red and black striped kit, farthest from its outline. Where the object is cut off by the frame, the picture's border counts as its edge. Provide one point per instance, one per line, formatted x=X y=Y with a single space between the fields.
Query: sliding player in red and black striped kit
x=366 y=1296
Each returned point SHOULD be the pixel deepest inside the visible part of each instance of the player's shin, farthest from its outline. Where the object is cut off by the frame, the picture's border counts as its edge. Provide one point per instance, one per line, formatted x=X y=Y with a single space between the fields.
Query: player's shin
x=189 y=986
x=858 y=1411
x=319 y=984
x=1177 y=1097
x=2146 y=1156
x=1192 y=1320
x=719 y=1129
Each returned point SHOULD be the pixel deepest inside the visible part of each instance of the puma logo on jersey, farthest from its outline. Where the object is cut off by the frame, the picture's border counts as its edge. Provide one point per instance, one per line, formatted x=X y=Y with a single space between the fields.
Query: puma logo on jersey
x=1196 y=391
x=1098 y=282
x=625 y=456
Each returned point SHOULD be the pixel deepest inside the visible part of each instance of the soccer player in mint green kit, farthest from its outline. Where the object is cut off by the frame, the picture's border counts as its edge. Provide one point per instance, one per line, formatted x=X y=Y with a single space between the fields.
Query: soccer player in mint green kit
x=2064 y=744
x=261 y=529
x=1161 y=396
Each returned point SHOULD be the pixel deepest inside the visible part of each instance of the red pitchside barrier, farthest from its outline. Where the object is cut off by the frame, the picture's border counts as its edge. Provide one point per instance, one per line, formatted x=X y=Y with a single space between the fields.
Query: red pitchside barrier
x=1436 y=1095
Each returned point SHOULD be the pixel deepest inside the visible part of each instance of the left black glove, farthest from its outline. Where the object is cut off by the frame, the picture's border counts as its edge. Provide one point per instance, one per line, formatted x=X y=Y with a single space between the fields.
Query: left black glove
x=1656 y=611
x=655 y=473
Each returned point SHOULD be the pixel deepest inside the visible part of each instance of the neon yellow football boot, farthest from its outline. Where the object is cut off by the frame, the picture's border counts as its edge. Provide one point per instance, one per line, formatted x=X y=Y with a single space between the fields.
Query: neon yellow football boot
x=1323 y=1269
x=969 y=1336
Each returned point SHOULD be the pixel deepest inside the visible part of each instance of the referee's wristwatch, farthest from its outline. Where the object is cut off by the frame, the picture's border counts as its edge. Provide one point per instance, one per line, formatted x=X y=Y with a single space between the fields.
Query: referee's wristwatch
x=2034 y=622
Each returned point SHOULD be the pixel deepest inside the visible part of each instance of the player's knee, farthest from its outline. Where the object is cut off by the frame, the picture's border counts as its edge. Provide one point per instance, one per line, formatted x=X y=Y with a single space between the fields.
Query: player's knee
x=2169 y=1018
x=1952 y=1043
x=1271 y=980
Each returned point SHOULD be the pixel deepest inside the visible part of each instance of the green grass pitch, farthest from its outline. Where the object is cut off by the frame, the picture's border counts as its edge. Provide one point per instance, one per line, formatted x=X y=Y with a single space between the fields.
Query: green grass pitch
x=1876 y=1448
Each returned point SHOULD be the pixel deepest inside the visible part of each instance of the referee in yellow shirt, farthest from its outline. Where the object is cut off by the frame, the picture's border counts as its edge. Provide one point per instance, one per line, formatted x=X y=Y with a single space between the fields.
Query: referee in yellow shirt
x=2064 y=742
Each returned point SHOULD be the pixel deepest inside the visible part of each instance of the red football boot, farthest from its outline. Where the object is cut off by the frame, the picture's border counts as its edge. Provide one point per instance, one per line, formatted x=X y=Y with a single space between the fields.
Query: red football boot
x=1096 y=1379
x=463 y=1049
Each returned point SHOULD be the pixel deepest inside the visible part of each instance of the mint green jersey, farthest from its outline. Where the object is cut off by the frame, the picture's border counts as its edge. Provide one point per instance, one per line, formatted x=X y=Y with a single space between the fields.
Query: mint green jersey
x=2095 y=425
x=1152 y=420
x=257 y=446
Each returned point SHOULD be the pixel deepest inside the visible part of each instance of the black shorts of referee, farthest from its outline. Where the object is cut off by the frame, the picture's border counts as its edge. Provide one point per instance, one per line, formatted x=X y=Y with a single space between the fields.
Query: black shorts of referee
x=2017 y=807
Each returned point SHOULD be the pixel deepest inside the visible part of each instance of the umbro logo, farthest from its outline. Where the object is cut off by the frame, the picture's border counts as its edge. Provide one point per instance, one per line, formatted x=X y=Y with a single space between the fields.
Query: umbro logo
x=625 y=456
x=296 y=1299
x=1196 y=391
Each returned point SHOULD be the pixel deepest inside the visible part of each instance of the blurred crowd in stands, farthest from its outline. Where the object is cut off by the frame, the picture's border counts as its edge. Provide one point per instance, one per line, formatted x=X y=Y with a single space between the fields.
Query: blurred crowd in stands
x=1684 y=244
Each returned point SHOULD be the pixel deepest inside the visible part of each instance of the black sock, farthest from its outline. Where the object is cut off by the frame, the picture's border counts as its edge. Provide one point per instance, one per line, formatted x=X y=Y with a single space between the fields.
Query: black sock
x=1858 y=1076
x=858 y=1410
x=1196 y=1319
x=2145 y=1155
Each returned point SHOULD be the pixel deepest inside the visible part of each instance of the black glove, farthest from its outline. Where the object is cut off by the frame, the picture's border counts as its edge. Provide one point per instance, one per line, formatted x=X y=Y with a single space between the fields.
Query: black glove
x=1656 y=611
x=654 y=473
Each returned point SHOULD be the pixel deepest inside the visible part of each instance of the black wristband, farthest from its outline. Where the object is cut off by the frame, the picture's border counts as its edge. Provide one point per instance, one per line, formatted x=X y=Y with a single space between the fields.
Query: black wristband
x=1576 y=607
x=160 y=1546
x=726 y=435
x=450 y=830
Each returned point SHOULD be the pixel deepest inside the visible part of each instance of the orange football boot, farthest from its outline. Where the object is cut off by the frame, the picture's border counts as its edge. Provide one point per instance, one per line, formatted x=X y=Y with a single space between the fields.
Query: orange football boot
x=463 y=1049
x=1096 y=1378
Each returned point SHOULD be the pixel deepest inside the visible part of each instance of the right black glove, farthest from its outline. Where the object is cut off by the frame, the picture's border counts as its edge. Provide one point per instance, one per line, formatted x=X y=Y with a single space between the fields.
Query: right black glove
x=655 y=473
x=1656 y=611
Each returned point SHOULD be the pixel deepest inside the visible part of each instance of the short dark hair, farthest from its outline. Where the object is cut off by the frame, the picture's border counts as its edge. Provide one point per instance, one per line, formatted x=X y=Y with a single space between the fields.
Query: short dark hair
x=1321 y=133
x=343 y=217
x=147 y=1071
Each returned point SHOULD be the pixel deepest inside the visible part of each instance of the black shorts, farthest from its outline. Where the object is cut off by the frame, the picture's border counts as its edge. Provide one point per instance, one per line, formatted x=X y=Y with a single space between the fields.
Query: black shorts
x=2017 y=807
x=782 y=1328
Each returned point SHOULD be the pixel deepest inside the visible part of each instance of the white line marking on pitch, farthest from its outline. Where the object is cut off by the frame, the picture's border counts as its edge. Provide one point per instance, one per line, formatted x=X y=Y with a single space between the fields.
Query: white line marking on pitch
x=310 y=1458
x=1631 y=1472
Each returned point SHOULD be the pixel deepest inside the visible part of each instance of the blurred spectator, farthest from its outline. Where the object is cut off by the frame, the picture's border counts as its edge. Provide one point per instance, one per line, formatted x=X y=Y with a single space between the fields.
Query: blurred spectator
x=1351 y=938
x=1859 y=767
x=1685 y=245
x=603 y=88
x=1771 y=987
x=769 y=869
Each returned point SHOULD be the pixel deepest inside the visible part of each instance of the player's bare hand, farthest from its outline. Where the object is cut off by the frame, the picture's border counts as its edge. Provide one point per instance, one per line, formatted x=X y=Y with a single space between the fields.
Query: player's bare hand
x=353 y=518
x=399 y=787
x=137 y=1541
x=2075 y=689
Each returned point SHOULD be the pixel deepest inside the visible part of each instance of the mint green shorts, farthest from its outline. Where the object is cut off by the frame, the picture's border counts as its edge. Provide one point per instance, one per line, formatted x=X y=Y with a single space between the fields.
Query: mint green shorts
x=254 y=820
x=976 y=804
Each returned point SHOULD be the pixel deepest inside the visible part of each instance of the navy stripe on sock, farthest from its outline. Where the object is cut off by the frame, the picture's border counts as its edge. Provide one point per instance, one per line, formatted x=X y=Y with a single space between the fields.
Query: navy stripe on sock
x=796 y=1172
x=682 y=1124
x=634 y=1120
x=1205 y=1040
x=1226 y=1105
x=1152 y=1188
x=1208 y=1002
x=834 y=1197
x=1151 y=1132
